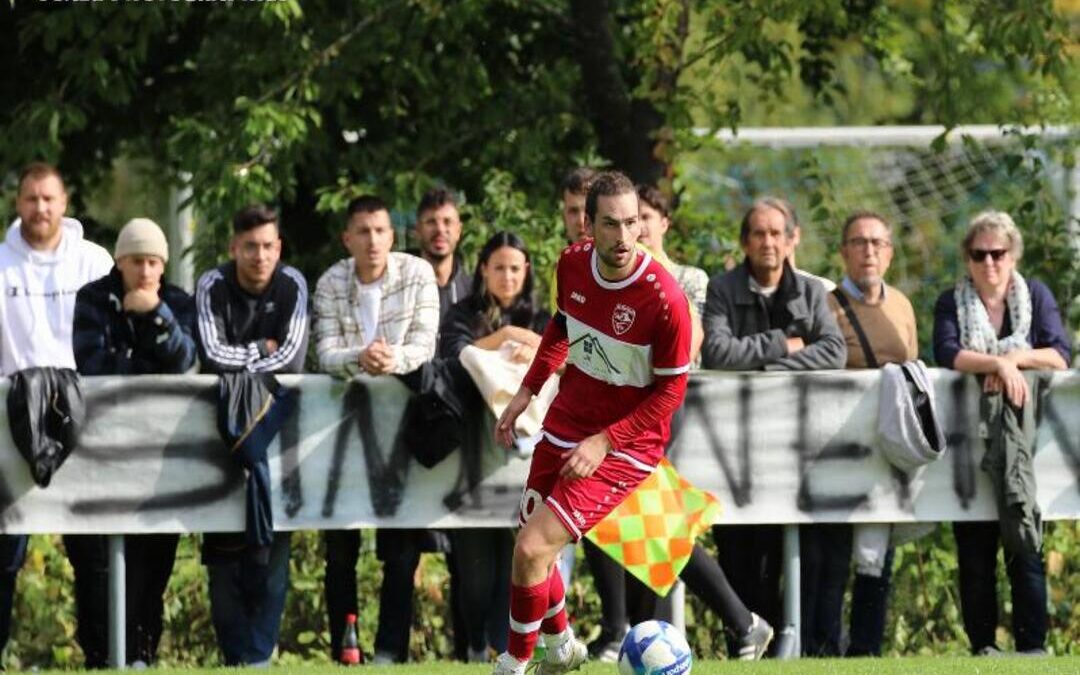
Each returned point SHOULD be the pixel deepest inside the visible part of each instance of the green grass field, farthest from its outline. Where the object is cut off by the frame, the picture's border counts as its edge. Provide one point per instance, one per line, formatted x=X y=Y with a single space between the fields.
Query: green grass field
x=921 y=665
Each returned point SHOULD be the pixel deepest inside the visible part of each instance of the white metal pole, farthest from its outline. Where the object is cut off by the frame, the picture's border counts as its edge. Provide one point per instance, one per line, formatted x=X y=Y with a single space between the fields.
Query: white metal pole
x=117 y=600
x=790 y=645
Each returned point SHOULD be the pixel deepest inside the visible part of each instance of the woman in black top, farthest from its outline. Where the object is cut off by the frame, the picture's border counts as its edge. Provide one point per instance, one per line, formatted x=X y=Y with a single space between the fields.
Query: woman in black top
x=500 y=311
x=500 y=306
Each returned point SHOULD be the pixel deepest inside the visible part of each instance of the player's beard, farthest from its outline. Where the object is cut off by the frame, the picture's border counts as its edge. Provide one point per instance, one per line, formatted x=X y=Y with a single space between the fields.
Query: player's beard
x=611 y=259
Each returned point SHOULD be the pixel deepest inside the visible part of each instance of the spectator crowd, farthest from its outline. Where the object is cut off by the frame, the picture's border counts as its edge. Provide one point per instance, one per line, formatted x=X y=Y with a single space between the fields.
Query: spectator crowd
x=67 y=303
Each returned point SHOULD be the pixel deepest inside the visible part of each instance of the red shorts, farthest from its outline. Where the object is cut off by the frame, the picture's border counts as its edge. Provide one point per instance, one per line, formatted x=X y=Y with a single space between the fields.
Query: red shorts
x=583 y=502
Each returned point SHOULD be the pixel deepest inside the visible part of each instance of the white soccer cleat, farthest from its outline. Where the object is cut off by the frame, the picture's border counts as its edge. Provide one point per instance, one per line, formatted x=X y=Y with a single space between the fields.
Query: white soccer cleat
x=575 y=658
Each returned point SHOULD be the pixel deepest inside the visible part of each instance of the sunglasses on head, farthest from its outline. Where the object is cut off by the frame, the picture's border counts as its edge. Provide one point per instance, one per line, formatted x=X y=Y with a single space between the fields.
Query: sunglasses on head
x=978 y=254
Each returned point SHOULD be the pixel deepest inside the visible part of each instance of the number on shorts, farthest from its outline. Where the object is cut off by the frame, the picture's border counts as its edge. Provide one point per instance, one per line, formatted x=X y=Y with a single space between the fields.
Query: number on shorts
x=530 y=499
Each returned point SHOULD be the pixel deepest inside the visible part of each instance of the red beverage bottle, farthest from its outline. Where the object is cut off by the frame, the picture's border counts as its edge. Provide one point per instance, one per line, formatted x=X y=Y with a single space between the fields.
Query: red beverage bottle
x=351 y=654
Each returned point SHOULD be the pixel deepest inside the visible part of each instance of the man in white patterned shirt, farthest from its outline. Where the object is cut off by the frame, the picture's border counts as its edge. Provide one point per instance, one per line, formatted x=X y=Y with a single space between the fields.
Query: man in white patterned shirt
x=376 y=312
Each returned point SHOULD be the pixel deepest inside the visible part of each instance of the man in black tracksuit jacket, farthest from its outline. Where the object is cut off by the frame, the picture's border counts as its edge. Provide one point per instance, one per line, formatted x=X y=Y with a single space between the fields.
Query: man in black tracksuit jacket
x=253 y=316
x=129 y=322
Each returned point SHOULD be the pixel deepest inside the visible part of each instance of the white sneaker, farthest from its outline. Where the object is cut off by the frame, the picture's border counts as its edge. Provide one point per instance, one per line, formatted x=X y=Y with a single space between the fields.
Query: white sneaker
x=382 y=659
x=752 y=646
x=507 y=664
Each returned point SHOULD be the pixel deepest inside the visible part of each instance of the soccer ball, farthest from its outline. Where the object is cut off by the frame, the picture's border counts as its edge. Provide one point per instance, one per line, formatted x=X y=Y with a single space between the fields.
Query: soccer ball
x=654 y=648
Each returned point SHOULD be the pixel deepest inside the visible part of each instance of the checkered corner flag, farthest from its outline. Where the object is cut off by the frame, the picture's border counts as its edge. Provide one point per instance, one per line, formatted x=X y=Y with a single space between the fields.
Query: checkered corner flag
x=652 y=532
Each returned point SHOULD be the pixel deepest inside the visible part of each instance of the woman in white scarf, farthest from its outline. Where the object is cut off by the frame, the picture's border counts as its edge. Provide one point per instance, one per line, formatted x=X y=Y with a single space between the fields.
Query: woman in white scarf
x=992 y=290
x=995 y=323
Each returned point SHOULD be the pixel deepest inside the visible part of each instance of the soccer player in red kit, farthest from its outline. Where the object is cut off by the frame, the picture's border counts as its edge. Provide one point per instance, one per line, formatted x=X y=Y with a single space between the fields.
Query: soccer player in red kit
x=623 y=330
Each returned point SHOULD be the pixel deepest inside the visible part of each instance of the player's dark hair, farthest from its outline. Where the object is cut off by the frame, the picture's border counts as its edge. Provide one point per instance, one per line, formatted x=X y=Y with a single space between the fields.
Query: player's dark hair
x=364 y=204
x=606 y=184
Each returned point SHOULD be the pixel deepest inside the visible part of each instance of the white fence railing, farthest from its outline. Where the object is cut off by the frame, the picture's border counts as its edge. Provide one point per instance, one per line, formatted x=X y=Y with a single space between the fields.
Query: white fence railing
x=776 y=448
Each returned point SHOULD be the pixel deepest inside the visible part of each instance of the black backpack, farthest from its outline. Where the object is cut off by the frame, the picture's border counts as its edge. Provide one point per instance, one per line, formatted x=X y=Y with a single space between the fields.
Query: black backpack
x=433 y=418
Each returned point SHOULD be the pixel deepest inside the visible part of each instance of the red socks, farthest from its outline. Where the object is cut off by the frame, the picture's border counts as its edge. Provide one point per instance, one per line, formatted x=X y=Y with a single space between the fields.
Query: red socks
x=536 y=608
x=527 y=607
x=555 y=617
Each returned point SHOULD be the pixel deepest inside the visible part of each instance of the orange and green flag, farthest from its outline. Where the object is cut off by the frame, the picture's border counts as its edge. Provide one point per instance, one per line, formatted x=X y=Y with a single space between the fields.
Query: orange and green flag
x=652 y=532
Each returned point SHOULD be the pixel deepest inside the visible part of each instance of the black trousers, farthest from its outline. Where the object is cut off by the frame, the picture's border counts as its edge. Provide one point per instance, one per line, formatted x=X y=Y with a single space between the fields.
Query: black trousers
x=976 y=561
x=399 y=550
x=752 y=558
x=482 y=560
x=705 y=578
x=825 y=563
x=148 y=563
x=869 y=603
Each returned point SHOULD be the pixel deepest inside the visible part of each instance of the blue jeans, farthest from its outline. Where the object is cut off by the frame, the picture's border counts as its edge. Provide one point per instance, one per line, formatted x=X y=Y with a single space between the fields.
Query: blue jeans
x=247 y=621
x=976 y=558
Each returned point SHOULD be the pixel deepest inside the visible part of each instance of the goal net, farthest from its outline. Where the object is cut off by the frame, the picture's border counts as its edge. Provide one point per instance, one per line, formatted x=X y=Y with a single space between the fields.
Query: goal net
x=928 y=190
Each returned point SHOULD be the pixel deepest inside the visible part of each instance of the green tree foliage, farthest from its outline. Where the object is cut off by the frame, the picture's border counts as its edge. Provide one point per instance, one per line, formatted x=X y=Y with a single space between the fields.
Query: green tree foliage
x=275 y=102
x=283 y=102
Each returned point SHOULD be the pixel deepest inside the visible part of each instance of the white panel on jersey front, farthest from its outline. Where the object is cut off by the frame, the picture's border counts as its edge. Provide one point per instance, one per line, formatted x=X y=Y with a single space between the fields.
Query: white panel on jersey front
x=604 y=358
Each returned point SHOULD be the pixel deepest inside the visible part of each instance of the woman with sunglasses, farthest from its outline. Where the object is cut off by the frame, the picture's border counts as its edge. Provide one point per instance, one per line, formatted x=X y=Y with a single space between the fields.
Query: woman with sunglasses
x=995 y=323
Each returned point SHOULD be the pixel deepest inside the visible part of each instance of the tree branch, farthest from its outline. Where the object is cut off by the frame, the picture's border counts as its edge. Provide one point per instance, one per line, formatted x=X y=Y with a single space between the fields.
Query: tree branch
x=624 y=126
x=324 y=56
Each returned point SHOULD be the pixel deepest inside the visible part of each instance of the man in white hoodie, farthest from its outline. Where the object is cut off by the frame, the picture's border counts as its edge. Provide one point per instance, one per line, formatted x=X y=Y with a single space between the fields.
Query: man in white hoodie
x=44 y=261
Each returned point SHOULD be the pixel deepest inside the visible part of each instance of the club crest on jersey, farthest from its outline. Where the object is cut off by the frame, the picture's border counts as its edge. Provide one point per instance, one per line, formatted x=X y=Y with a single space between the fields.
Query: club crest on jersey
x=622 y=318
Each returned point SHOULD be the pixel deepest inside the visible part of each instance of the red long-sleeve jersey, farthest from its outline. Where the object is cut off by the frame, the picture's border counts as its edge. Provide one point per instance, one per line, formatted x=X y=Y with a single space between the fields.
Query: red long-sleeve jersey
x=627 y=348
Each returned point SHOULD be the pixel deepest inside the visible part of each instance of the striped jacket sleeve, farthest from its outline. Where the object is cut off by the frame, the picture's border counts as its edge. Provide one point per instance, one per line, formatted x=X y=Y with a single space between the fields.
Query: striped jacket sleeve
x=290 y=354
x=216 y=354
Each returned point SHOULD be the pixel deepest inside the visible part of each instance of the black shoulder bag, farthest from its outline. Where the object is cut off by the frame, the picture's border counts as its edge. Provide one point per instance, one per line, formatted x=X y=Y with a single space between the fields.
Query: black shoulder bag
x=871 y=360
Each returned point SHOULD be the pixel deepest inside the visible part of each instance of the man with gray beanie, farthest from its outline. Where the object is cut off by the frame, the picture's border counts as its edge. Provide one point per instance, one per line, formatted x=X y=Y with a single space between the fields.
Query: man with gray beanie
x=129 y=322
